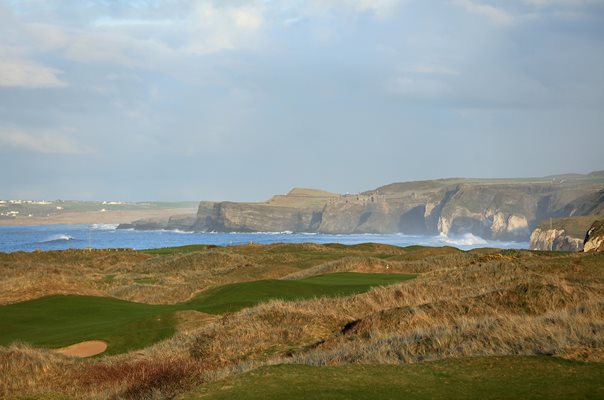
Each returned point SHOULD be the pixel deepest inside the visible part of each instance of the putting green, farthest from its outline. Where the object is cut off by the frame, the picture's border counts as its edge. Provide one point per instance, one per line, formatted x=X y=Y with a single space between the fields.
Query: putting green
x=57 y=321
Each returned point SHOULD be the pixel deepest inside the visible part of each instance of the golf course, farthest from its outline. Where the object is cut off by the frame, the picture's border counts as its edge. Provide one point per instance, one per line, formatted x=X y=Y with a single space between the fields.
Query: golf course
x=301 y=321
x=56 y=321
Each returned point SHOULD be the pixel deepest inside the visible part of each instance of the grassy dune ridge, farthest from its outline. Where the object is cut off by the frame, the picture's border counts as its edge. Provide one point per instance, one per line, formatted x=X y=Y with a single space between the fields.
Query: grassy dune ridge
x=170 y=275
x=487 y=303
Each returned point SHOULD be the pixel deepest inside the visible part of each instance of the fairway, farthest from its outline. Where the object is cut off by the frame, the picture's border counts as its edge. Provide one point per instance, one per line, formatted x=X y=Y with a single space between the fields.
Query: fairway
x=233 y=297
x=469 y=378
x=56 y=321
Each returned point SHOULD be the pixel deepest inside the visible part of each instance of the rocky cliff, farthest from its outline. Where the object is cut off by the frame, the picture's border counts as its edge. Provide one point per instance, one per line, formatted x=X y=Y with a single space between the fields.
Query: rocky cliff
x=594 y=239
x=495 y=209
x=554 y=239
x=562 y=234
x=183 y=222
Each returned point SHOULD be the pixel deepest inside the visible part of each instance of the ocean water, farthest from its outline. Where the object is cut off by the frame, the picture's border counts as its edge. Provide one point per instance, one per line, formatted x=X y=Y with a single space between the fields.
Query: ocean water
x=60 y=237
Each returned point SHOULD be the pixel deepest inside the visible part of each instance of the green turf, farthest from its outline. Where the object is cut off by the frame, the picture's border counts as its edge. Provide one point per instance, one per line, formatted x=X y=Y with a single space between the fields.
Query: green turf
x=56 y=321
x=236 y=296
x=469 y=378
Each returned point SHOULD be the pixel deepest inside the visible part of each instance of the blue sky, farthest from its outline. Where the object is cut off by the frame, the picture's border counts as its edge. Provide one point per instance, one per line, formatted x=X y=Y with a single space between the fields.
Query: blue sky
x=175 y=100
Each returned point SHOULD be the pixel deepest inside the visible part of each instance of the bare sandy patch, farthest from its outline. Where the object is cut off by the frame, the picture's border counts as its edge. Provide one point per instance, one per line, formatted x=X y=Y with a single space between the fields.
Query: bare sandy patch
x=84 y=349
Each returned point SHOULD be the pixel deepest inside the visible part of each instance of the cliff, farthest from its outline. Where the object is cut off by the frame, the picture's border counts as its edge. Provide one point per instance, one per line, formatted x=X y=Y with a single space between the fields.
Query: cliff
x=594 y=239
x=506 y=209
x=561 y=234
x=183 y=222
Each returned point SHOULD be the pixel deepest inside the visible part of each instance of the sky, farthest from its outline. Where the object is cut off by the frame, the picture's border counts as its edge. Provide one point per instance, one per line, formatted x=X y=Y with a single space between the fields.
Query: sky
x=239 y=100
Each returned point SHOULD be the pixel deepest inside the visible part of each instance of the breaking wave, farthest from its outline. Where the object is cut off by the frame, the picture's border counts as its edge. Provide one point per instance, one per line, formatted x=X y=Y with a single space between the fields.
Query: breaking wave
x=104 y=227
x=467 y=239
x=57 y=238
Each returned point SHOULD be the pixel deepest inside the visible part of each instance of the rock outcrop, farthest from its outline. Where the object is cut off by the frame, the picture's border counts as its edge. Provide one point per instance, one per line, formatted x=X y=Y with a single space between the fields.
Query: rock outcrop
x=554 y=240
x=182 y=222
x=493 y=209
x=594 y=239
x=561 y=234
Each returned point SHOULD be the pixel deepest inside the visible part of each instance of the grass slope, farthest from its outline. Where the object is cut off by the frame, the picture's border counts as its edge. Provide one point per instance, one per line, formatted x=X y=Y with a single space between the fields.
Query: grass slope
x=56 y=321
x=468 y=378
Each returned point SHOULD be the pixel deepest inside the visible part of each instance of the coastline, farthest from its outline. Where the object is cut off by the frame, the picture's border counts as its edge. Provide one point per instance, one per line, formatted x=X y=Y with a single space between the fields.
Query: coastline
x=97 y=217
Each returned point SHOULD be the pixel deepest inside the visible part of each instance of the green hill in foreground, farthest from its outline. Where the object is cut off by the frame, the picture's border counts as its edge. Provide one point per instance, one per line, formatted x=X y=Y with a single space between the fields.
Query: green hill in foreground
x=56 y=321
x=466 y=378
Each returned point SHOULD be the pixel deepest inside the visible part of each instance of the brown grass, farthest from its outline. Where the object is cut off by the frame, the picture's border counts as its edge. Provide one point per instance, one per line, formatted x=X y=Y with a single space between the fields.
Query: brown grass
x=157 y=279
x=463 y=304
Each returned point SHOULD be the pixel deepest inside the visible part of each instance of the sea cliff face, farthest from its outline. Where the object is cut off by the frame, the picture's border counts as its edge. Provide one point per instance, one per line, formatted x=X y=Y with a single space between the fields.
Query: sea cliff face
x=562 y=234
x=496 y=209
x=594 y=239
x=554 y=239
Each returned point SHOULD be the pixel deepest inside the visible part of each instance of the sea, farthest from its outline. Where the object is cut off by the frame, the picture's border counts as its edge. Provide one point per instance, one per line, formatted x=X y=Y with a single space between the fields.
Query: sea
x=101 y=236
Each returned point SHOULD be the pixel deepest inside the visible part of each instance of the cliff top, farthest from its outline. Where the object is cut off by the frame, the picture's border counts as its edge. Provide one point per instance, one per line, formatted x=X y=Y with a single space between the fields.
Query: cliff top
x=399 y=189
x=306 y=192
x=302 y=198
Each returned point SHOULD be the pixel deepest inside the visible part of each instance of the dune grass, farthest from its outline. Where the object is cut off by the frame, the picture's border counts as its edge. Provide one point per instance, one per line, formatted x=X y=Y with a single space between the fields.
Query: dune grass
x=482 y=303
x=56 y=321
x=467 y=378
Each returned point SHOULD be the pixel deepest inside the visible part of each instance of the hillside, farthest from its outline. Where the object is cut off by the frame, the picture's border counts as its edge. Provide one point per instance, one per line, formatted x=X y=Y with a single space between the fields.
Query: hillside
x=504 y=209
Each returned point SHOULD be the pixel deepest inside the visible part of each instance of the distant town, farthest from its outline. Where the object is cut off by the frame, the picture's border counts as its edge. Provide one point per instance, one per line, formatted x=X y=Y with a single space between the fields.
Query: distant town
x=32 y=212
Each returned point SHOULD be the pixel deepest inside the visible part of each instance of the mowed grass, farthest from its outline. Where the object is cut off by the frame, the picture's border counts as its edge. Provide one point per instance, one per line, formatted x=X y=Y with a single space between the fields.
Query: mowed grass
x=467 y=378
x=56 y=321
x=233 y=297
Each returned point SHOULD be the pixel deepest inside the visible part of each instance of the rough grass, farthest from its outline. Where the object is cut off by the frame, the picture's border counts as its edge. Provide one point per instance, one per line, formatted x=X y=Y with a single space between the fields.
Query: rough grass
x=469 y=378
x=486 y=303
x=56 y=321
x=165 y=276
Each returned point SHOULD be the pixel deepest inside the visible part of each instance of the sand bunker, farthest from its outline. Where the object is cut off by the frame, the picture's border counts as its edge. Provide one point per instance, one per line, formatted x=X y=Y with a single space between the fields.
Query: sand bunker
x=84 y=349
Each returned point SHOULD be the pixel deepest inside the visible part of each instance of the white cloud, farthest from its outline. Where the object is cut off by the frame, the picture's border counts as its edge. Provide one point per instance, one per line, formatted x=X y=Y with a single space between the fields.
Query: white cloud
x=247 y=18
x=40 y=142
x=17 y=71
x=206 y=28
x=96 y=45
x=495 y=14
x=212 y=29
